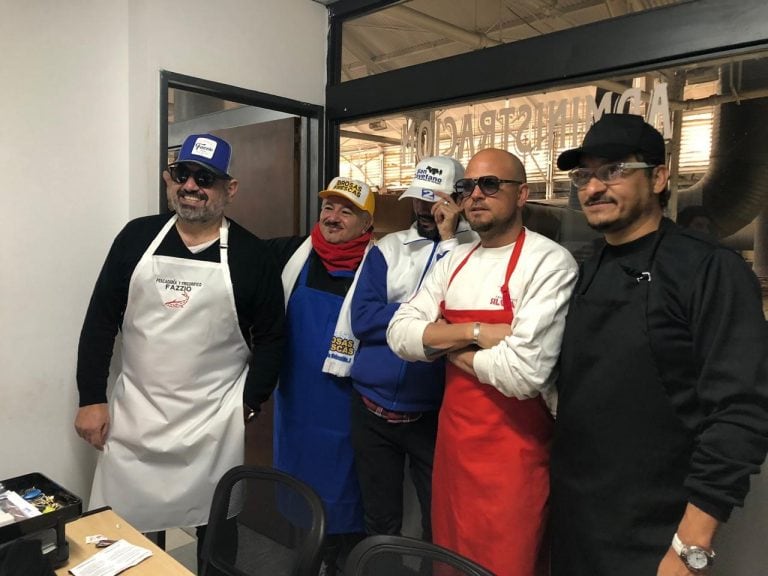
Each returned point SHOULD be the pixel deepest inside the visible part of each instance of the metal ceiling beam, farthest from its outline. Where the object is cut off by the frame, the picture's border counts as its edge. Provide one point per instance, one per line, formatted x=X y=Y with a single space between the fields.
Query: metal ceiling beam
x=369 y=137
x=717 y=99
x=617 y=7
x=359 y=51
x=398 y=54
x=457 y=33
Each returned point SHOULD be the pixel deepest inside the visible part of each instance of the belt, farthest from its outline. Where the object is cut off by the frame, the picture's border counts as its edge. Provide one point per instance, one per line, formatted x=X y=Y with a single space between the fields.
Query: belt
x=390 y=415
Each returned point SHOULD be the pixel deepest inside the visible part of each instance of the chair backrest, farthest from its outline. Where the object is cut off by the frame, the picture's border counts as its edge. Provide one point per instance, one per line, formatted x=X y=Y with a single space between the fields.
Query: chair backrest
x=400 y=555
x=263 y=521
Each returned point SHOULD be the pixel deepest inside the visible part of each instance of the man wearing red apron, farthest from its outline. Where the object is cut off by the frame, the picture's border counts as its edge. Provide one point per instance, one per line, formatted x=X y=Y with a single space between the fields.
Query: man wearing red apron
x=497 y=310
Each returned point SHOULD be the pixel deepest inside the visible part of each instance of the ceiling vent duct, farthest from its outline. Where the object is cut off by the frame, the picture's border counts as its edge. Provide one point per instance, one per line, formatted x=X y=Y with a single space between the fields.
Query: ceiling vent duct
x=735 y=188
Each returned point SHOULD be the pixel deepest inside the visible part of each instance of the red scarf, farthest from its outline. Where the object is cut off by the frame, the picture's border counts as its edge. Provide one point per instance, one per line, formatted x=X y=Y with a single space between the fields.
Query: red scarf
x=344 y=256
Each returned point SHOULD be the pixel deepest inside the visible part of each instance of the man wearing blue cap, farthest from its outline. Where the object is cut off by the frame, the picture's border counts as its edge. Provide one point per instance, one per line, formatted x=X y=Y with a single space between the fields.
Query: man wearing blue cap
x=663 y=386
x=198 y=300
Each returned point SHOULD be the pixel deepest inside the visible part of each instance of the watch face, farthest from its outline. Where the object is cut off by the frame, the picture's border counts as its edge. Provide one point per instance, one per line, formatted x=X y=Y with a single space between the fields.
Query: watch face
x=697 y=558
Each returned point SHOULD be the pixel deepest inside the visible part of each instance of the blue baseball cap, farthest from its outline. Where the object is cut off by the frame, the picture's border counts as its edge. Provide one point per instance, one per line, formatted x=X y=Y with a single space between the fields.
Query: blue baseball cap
x=208 y=151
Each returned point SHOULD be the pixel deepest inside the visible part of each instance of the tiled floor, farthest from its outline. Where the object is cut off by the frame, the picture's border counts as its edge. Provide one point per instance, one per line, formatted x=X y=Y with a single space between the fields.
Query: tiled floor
x=181 y=543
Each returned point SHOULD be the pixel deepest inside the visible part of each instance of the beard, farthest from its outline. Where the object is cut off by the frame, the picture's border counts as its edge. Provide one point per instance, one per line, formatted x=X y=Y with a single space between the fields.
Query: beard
x=431 y=233
x=615 y=223
x=208 y=212
x=494 y=225
x=482 y=226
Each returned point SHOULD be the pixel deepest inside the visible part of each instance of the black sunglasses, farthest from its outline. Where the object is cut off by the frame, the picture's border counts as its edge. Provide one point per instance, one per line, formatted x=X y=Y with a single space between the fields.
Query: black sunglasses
x=489 y=185
x=203 y=178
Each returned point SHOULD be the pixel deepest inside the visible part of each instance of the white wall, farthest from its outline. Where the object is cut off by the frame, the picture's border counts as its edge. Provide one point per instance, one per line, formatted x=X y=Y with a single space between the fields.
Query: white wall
x=79 y=141
x=272 y=46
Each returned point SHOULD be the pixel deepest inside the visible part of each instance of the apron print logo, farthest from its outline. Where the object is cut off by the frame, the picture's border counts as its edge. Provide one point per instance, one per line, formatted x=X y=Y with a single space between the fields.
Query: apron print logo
x=175 y=293
x=178 y=303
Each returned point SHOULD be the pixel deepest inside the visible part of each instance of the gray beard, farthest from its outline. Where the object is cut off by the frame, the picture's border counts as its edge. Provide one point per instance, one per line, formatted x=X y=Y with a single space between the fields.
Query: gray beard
x=207 y=214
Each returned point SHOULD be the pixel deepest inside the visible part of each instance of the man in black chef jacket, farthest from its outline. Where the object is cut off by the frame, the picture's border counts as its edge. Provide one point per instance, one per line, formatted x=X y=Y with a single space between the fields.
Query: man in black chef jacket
x=663 y=408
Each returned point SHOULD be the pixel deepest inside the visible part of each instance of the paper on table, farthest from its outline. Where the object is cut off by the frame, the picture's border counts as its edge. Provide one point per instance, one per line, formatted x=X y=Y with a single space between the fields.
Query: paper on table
x=118 y=557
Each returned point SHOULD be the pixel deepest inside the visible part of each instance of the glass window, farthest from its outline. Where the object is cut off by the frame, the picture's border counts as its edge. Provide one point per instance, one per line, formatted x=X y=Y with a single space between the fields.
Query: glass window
x=420 y=31
x=712 y=115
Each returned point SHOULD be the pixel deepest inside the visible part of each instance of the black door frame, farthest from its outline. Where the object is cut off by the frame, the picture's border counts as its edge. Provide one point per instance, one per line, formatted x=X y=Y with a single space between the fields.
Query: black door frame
x=313 y=174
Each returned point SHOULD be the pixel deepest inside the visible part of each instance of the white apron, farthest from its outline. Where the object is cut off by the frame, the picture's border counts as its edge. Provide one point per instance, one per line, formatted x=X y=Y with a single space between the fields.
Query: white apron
x=177 y=408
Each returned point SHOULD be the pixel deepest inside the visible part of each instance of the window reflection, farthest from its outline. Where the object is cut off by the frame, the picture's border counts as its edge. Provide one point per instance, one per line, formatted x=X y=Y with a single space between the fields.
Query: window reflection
x=711 y=113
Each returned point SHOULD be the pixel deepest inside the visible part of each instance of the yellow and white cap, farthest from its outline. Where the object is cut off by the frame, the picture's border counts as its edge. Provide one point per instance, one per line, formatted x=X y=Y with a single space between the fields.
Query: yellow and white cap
x=357 y=192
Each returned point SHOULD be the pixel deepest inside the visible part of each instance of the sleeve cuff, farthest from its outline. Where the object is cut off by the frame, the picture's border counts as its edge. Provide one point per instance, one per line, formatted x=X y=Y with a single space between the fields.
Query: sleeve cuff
x=480 y=364
x=414 y=340
x=717 y=510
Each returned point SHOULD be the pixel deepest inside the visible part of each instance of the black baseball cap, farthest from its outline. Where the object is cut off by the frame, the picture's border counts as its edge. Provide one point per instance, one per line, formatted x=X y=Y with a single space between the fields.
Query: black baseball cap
x=614 y=137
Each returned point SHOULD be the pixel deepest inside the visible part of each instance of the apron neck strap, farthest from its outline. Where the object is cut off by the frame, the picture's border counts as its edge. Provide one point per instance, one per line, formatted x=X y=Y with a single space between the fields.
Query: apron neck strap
x=505 y=297
x=506 y=300
x=224 y=240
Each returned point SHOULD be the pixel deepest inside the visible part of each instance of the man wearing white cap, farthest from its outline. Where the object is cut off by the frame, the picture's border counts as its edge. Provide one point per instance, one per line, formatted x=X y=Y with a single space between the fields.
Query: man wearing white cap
x=197 y=299
x=394 y=413
x=312 y=401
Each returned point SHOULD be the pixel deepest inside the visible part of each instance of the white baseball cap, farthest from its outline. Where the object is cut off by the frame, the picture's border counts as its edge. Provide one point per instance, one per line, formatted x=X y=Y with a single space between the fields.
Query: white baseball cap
x=436 y=173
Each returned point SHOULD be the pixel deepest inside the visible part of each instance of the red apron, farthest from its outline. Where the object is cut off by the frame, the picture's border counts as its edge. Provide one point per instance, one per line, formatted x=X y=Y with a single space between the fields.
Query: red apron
x=491 y=471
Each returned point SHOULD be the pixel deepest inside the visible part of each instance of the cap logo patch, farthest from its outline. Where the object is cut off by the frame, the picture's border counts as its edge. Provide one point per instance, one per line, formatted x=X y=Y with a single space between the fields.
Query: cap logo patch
x=204 y=147
x=347 y=186
x=430 y=174
x=427 y=194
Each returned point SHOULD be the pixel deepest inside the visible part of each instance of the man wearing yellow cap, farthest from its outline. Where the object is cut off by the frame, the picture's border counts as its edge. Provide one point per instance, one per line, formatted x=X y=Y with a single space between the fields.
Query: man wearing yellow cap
x=312 y=402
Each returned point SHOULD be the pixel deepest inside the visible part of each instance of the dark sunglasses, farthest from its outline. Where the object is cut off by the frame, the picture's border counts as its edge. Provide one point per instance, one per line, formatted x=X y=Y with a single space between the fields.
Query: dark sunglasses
x=489 y=185
x=203 y=178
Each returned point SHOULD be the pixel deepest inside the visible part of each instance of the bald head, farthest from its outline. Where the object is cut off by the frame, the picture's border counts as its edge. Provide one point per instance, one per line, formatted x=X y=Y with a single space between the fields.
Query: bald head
x=494 y=208
x=493 y=161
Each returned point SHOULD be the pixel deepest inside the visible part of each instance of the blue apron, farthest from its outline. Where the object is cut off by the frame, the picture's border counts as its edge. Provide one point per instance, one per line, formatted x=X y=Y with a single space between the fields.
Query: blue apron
x=312 y=410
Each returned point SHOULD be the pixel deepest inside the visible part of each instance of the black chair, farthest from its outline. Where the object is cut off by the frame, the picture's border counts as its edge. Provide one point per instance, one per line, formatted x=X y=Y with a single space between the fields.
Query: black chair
x=263 y=521
x=402 y=556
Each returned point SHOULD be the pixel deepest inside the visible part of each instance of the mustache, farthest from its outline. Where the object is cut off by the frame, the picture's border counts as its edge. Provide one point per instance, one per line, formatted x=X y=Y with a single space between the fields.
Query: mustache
x=198 y=195
x=601 y=199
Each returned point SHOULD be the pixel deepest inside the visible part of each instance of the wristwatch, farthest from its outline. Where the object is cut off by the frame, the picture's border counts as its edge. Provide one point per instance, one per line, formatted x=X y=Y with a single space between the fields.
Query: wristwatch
x=697 y=559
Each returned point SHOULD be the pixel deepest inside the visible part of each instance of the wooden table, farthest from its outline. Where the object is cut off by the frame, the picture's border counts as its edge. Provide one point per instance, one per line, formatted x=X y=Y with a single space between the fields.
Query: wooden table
x=114 y=527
